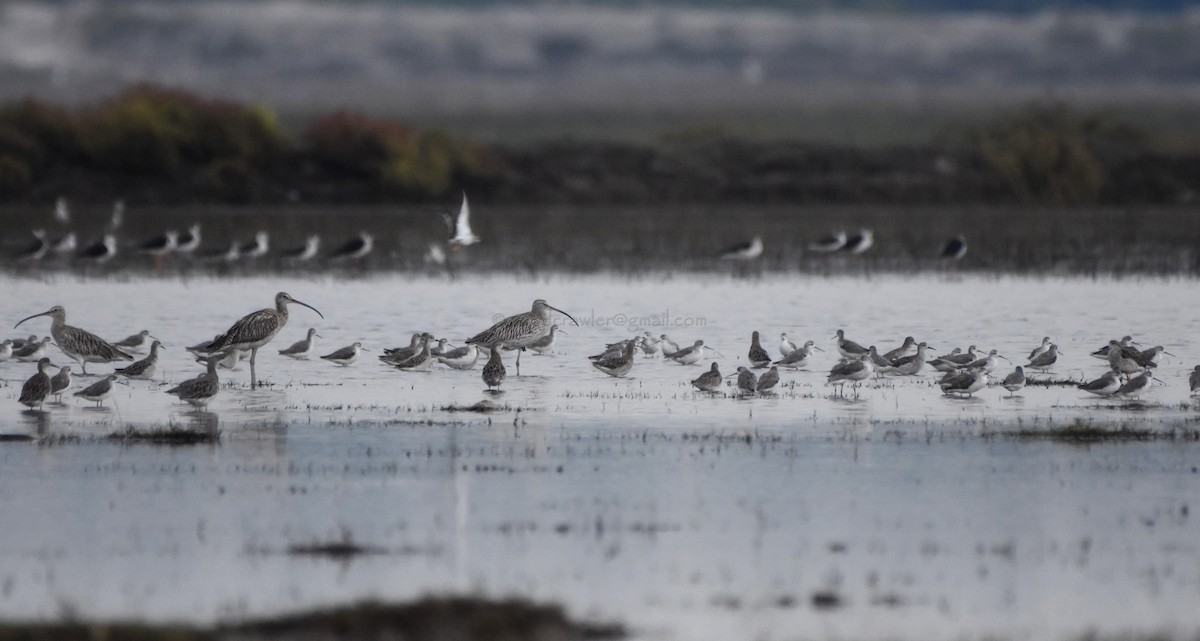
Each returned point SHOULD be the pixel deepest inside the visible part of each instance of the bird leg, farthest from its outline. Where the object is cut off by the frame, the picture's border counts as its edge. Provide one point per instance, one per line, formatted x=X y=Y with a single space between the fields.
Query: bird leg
x=519 y=360
x=253 y=379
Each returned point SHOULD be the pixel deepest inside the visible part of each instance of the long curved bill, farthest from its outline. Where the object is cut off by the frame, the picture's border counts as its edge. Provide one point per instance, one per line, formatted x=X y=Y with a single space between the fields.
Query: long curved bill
x=27 y=318
x=309 y=306
x=564 y=314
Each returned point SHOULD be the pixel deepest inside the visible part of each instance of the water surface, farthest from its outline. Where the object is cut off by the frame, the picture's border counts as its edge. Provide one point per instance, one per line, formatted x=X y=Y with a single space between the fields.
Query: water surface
x=897 y=514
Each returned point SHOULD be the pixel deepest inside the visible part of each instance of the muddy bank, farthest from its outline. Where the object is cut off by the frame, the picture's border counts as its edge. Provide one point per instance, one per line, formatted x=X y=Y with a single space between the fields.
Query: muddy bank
x=430 y=619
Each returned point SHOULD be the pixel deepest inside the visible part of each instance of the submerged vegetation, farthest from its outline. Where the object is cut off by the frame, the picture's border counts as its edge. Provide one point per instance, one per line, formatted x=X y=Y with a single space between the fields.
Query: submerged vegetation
x=156 y=145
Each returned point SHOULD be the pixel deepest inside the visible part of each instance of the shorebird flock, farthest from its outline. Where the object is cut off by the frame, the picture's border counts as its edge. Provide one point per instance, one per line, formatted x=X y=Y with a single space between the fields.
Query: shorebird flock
x=1128 y=368
x=962 y=372
x=839 y=242
x=61 y=246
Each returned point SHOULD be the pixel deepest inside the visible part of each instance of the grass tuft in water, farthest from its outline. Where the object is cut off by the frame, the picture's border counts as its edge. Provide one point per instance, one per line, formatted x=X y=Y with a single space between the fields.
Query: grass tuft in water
x=157 y=435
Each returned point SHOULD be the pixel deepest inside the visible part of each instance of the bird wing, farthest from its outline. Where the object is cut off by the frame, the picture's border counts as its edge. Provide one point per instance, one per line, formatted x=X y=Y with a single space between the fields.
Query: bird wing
x=248 y=329
x=343 y=353
x=86 y=343
x=462 y=225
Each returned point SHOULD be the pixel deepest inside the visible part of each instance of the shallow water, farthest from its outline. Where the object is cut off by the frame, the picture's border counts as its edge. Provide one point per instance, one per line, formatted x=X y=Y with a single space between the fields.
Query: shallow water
x=630 y=499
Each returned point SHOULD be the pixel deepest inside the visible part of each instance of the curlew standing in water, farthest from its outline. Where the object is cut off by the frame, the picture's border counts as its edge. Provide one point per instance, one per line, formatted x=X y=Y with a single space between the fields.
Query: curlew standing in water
x=145 y=368
x=301 y=349
x=60 y=383
x=37 y=388
x=759 y=358
x=256 y=329
x=346 y=355
x=709 y=381
x=493 y=371
x=201 y=390
x=520 y=330
x=81 y=345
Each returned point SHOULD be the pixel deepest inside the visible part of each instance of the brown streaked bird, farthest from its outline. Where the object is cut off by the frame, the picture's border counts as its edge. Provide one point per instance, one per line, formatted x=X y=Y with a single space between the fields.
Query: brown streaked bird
x=520 y=330
x=145 y=368
x=81 y=345
x=494 y=372
x=759 y=357
x=201 y=390
x=256 y=329
x=709 y=381
x=37 y=388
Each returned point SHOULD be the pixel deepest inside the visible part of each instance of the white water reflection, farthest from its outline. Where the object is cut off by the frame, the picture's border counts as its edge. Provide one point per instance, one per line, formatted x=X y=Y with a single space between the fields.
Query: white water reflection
x=687 y=517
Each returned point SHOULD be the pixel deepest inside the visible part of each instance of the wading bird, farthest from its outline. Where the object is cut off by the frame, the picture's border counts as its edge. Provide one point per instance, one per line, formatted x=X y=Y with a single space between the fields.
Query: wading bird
x=520 y=330
x=79 y=344
x=256 y=329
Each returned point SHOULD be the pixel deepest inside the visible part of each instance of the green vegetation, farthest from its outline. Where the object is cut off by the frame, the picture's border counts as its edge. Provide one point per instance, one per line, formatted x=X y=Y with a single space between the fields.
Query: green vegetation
x=1052 y=155
x=213 y=150
x=151 y=144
